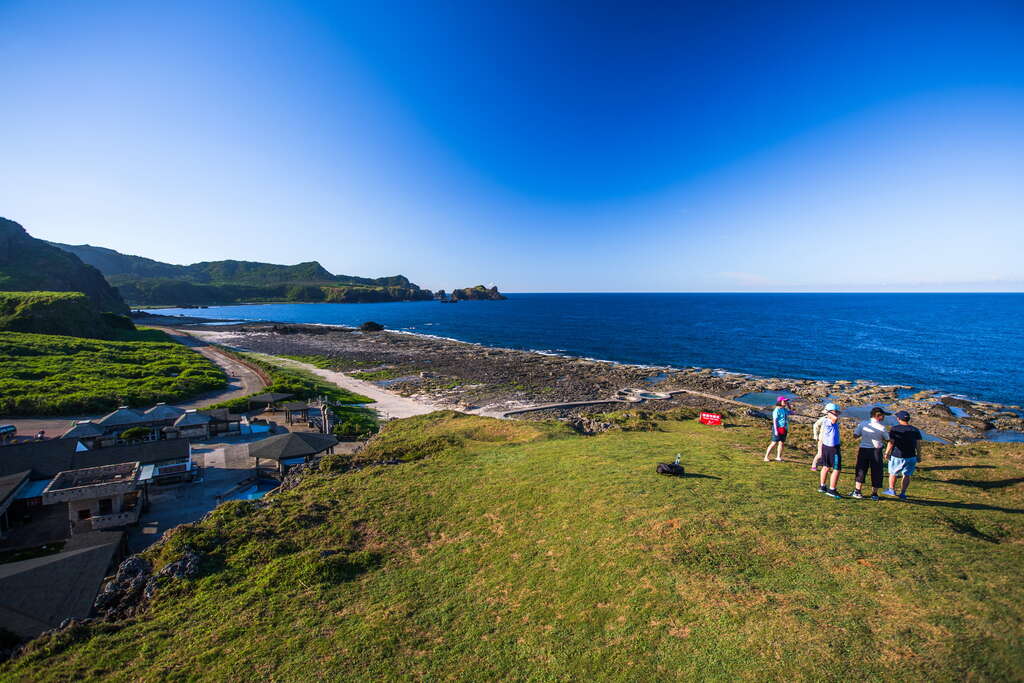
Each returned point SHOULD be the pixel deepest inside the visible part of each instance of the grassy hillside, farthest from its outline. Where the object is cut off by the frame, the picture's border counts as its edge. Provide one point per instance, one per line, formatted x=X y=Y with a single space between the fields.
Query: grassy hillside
x=507 y=550
x=143 y=281
x=30 y=264
x=58 y=375
x=63 y=313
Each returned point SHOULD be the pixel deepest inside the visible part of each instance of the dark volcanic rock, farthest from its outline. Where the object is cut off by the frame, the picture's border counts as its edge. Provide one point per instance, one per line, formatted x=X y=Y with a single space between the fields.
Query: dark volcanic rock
x=127 y=592
x=963 y=404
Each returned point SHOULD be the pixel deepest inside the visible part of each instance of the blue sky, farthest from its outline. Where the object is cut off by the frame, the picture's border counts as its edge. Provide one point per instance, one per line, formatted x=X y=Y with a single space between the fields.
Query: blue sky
x=597 y=146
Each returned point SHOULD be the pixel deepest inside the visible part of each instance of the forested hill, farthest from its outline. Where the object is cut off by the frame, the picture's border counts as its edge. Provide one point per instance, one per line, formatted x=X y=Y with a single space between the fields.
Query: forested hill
x=30 y=264
x=143 y=281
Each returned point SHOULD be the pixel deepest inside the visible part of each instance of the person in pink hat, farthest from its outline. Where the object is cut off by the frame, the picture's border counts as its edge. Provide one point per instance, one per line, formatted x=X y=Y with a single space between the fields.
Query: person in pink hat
x=780 y=428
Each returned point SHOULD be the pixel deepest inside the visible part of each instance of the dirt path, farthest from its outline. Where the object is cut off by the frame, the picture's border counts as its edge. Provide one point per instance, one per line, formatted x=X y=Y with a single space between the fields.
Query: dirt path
x=242 y=381
x=386 y=403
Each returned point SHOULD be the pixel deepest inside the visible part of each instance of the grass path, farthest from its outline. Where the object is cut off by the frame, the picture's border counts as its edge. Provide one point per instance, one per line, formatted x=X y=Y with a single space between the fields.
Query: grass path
x=516 y=552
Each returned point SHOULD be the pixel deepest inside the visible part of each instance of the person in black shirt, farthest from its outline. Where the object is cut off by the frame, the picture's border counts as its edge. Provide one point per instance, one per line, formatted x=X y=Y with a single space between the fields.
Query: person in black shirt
x=903 y=453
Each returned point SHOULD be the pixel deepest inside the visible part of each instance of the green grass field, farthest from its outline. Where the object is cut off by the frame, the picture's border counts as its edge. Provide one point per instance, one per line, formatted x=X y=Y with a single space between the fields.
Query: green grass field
x=42 y=374
x=508 y=550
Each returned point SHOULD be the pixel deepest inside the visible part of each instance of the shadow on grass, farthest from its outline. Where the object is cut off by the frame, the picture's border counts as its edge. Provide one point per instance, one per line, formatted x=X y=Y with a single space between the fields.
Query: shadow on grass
x=983 y=485
x=962 y=526
x=943 y=468
x=690 y=475
x=963 y=506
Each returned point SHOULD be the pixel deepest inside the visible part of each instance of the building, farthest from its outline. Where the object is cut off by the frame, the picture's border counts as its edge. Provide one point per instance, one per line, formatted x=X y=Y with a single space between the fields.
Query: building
x=293 y=448
x=98 y=498
x=9 y=486
x=162 y=422
x=39 y=594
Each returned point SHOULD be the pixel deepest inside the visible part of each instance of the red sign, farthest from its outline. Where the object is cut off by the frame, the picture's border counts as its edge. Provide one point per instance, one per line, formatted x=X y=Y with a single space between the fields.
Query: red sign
x=712 y=419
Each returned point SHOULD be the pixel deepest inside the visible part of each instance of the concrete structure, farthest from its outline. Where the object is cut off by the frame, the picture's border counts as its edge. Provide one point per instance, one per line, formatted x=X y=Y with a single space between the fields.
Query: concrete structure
x=102 y=497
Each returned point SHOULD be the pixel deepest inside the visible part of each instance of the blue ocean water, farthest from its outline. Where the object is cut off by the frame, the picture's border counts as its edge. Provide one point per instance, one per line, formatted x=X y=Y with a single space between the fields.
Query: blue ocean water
x=970 y=344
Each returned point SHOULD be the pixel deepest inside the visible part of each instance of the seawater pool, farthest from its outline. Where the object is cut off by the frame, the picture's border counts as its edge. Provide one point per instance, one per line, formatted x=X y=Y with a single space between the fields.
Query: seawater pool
x=256 y=491
x=764 y=399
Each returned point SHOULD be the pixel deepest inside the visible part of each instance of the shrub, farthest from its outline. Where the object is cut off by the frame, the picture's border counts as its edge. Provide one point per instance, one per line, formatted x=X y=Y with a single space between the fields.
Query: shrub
x=60 y=375
x=135 y=433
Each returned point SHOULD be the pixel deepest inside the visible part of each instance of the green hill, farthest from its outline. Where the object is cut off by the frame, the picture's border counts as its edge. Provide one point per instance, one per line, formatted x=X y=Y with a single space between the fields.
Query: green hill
x=30 y=264
x=143 y=281
x=514 y=551
x=64 y=313
x=45 y=374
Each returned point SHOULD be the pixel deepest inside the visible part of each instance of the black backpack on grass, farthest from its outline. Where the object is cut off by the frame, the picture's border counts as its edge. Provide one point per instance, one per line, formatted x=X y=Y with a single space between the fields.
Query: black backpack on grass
x=671 y=469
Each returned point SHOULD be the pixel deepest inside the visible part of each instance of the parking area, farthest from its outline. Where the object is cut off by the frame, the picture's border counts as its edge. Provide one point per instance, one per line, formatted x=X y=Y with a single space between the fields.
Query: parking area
x=222 y=466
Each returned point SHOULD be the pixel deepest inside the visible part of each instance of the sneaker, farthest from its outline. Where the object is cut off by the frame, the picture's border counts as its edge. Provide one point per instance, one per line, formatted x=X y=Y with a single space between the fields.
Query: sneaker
x=888 y=492
x=833 y=493
x=822 y=489
x=856 y=494
x=874 y=496
x=902 y=496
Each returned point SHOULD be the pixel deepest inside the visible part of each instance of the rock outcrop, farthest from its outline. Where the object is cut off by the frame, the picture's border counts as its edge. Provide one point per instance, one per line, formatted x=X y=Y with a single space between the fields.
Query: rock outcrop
x=479 y=292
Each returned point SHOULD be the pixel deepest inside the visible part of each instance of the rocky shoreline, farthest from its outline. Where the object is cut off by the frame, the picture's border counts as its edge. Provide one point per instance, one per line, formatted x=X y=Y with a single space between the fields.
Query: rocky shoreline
x=492 y=381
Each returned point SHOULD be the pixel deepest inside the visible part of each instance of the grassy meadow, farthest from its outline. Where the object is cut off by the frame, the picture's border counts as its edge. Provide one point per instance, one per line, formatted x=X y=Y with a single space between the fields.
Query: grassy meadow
x=519 y=551
x=43 y=374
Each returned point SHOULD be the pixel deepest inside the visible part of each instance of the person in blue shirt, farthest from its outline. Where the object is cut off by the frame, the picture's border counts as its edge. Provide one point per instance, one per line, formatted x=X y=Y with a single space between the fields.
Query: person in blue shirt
x=831 y=458
x=780 y=428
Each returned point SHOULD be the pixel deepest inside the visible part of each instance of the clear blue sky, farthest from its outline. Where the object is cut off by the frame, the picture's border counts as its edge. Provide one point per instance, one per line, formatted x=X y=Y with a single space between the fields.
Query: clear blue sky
x=542 y=146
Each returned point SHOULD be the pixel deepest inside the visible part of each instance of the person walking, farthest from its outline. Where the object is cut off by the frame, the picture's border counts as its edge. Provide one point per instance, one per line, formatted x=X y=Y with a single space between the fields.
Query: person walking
x=780 y=428
x=831 y=457
x=903 y=453
x=816 y=434
x=873 y=436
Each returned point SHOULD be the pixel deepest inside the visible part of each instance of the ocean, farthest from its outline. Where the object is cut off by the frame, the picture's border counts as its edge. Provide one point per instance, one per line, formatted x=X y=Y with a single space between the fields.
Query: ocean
x=966 y=344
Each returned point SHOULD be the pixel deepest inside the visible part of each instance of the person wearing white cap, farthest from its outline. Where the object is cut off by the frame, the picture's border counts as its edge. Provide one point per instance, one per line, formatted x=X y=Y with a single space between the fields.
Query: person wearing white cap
x=816 y=433
x=831 y=456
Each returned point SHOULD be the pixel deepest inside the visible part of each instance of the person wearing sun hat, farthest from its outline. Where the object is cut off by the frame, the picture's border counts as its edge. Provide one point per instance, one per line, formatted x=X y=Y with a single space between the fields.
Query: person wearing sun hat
x=780 y=428
x=903 y=453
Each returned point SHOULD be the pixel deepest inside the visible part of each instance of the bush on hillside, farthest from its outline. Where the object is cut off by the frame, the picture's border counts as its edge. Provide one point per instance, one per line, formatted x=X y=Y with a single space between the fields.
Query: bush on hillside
x=62 y=375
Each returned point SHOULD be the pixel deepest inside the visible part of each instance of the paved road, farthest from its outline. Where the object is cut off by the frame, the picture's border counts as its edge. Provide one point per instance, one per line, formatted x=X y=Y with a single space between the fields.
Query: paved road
x=241 y=382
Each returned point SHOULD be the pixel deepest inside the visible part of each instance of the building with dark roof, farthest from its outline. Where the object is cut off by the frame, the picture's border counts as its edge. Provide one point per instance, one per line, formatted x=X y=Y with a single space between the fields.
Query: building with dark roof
x=10 y=484
x=162 y=411
x=45 y=459
x=39 y=594
x=291 y=449
x=122 y=418
x=162 y=420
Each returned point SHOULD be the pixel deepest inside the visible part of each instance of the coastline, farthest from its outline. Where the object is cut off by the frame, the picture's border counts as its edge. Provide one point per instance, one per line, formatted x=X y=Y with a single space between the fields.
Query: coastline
x=444 y=373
